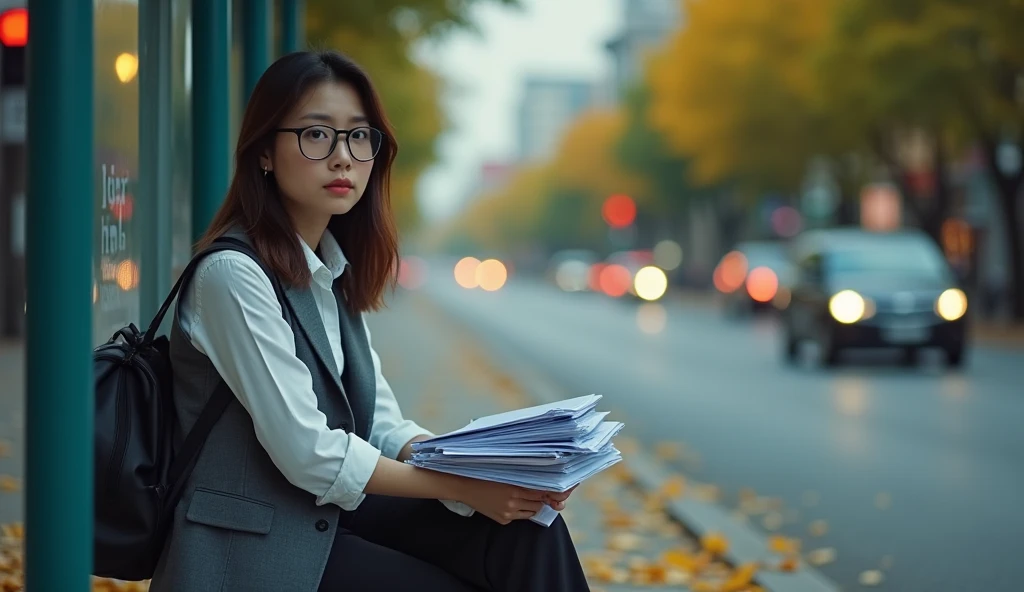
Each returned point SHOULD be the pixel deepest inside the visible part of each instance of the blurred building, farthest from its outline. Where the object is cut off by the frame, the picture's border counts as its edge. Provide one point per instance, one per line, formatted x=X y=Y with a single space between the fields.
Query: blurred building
x=548 y=106
x=646 y=24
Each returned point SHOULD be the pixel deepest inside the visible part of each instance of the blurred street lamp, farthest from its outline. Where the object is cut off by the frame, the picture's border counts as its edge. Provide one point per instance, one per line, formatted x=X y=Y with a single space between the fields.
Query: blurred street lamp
x=126 y=65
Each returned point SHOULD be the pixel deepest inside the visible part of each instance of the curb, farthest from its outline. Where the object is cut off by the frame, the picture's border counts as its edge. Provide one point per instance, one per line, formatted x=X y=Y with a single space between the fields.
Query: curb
x=745 y=544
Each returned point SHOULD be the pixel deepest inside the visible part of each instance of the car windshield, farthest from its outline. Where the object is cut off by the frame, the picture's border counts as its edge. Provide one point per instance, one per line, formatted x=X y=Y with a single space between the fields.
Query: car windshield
x=919 y=258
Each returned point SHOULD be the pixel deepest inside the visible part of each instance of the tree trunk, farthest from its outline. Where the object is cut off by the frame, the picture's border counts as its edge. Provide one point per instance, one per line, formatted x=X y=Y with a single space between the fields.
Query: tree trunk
x=1009 y=187
x=1011 y=218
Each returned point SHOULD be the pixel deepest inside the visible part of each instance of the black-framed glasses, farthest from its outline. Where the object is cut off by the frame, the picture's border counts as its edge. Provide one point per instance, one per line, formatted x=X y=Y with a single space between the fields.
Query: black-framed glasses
x=317 y=142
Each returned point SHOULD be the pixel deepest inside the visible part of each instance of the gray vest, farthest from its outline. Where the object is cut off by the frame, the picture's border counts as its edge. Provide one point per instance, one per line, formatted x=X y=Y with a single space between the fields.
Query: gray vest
x=240 y=525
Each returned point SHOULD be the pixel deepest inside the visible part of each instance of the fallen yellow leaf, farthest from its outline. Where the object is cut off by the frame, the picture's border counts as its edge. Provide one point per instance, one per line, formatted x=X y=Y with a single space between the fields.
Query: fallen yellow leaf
x=673 y=487
x=9 y=484
x=714 y=543
x=871 y=577
x=789 y=564
x=783 y=545
x=5 y=448
x=821 y=556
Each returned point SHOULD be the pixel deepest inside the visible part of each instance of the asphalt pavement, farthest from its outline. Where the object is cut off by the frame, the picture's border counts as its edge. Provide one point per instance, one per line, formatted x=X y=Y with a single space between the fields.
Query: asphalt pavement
x=913 y=473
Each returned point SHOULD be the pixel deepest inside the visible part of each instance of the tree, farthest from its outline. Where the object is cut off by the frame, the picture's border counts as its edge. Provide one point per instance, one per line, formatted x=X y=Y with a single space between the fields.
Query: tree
x=380 y=36
x=946 y=71
x=733 y=91
x=644 y=151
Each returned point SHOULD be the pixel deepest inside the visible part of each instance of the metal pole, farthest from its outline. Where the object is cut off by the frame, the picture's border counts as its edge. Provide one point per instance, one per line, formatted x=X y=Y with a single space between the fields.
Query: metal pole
x=256 y=16
x=211 y=162
x=59 y=397
x=293 y=25
x=155 y=155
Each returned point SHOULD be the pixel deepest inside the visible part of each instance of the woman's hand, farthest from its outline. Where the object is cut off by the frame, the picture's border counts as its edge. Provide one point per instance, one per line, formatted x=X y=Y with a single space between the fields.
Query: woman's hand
x=557 y=500
x=501 y=502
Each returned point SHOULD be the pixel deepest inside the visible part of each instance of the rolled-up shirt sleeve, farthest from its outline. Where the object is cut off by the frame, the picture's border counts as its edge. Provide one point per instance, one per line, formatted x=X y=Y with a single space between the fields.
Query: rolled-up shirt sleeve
x=233 y=317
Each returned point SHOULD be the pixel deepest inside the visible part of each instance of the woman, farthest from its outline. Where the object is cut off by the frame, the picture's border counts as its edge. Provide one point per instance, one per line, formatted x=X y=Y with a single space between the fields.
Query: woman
x=301 y=486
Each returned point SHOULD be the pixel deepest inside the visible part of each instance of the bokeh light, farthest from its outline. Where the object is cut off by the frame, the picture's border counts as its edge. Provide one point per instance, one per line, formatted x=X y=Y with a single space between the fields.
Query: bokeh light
x=619 y=211
x=614 y=280
x=465 y=272
x=650 y=283
x=491 y=275
x=762 y=284
x=731 y=272
x=668 y=255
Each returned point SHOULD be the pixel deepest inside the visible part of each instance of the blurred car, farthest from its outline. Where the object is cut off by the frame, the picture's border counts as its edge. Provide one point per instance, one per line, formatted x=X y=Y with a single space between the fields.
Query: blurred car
x=571 y=269
x=754 y=277
x=632 y=274
x=863 y=289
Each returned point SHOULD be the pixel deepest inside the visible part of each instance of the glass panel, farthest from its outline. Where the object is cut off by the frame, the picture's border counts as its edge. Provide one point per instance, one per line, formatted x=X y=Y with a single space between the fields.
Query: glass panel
x=181 y=129
x=116 y=242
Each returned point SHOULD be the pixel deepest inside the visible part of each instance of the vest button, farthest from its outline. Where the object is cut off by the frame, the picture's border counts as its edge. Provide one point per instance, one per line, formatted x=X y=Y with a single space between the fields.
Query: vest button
x=322 y=525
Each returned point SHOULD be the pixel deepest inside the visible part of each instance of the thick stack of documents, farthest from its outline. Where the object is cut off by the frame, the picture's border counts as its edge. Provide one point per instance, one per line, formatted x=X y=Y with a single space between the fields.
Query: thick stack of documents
x=551 y=447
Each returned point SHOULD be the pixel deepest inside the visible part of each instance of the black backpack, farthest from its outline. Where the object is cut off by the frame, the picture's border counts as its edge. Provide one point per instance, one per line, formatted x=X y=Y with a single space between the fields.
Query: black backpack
x=140 y=472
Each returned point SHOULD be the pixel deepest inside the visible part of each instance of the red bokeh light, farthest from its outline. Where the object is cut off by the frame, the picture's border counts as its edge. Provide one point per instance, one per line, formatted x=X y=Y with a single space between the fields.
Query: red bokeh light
x=619 y=211
x=615 y=280
x=762 y=284
x=731 y=272
x=14 y=27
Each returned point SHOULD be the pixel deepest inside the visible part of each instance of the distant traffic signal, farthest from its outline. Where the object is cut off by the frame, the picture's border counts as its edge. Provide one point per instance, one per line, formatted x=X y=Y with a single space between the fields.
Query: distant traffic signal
x=619 y=211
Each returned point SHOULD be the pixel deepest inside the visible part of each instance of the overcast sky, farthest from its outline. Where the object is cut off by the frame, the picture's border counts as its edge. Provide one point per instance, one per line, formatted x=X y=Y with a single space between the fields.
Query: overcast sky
x=485 y=71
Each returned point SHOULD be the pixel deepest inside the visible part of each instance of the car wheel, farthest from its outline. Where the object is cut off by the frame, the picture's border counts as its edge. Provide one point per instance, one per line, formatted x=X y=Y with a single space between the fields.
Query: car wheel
x=955 y=356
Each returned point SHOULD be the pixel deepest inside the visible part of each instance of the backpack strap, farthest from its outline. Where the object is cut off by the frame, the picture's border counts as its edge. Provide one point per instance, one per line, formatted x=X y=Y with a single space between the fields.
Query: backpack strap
x=188 y=454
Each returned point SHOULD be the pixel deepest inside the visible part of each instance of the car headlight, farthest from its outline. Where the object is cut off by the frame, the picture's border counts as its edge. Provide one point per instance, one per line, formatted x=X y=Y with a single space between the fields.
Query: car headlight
x=951 y=304
x=847 y=306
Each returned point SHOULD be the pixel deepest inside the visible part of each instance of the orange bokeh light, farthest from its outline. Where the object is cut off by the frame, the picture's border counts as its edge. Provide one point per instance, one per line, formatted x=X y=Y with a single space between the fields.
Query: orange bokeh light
x=614 y=280
x=731 y=272
x=491 y=275
x=762 y=284
x=465 y=272
x=619 y=211
x=14 y=27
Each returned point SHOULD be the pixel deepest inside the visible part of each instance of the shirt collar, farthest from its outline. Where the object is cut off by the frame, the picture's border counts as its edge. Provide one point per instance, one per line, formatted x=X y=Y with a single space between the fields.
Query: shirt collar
x=334 y=262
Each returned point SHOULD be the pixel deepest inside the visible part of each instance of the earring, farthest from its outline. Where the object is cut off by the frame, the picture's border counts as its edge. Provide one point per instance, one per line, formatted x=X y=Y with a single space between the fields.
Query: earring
x=265 y=171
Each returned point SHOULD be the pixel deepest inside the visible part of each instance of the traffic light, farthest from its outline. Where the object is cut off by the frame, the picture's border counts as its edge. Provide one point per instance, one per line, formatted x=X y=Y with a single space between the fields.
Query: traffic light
x=13 y=43
x=619 y=211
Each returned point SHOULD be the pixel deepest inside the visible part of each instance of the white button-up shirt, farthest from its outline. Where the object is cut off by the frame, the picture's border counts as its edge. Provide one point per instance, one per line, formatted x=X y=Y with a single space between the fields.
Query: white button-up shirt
x=231 y=314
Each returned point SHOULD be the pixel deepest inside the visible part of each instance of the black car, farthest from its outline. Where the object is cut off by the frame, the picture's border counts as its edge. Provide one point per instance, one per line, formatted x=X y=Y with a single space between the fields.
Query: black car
x=860 y=289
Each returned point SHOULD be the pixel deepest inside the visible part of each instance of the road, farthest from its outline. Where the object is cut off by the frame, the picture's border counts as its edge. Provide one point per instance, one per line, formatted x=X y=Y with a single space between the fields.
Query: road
x=916 y=469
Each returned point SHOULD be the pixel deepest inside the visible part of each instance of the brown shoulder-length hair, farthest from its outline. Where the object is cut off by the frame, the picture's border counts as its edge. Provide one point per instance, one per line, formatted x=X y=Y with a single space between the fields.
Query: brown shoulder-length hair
x=366 y=234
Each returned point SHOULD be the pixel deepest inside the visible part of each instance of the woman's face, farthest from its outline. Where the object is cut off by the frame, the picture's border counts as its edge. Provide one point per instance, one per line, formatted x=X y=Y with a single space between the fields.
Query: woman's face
x=319 y=189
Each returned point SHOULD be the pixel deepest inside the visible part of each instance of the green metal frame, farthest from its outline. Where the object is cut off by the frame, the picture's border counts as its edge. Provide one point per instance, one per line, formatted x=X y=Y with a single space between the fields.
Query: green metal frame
x=155 y=157
x=293 y=26
x=59 y=377
x=211 y=162
x=256 y=15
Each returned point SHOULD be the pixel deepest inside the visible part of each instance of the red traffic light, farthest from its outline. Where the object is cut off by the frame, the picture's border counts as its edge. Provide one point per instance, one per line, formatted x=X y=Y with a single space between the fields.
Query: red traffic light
x=619 y=211
x=14 y=27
